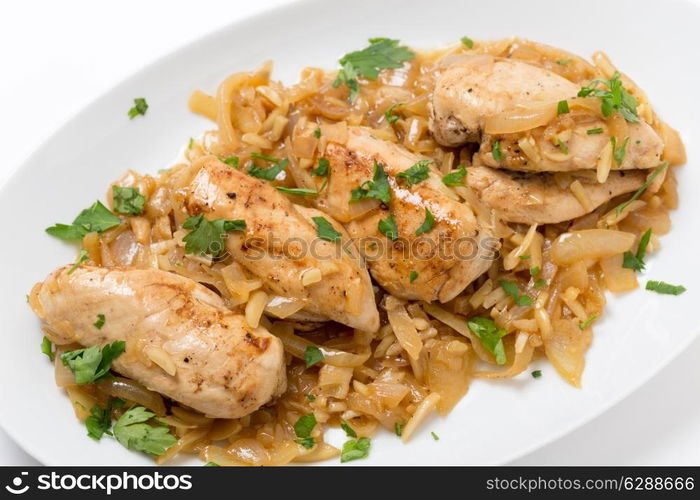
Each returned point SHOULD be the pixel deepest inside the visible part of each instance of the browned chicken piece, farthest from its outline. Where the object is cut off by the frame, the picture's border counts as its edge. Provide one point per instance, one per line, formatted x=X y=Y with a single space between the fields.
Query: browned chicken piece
x=281 y=244
x=436 y=265
x=207 y=357
x=471 y=91
x=542 y=198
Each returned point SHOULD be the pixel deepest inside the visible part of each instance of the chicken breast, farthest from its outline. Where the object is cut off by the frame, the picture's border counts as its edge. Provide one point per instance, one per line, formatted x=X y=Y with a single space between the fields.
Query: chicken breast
x=281 y=244
x=470 y=91
x=435 y=265
x=542 y=198
x=222 y=367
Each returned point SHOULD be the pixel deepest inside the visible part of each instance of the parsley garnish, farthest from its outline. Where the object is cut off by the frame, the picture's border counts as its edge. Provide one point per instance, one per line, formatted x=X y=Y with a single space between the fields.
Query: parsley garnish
x=594 y=131
x=388 y=228
x=416 y=173
x=303 y=428
x=562 y=147
x=619 y=152
x=317 y=133
x=585 y=324
x=540 y=283
x=467 y=42
x=82 y=257
x=268 y=174
x=524 y=257
x=382 y=53
x=100 y=321
x=616 y=98
x=211 y=464
x=398 y=428
x=100 y=419
x=298 y=191
x=310 y=397
x=413 y=276
x=355 y=449
x=93 y=363
x=349 y=431
x=496 y=151
x=455 y=178
x=207 y=236
x=133 y=431
x=47 y=347
x=537 y=374
x=232 y=161
x=665 y=288
x=312 y=356
x=638 y=192
x=636 y=261
x=97 y=218
x=428 y=223
x=435 y=436
x=322 y=169
x=127 y=200
x=562 y=107
x=490 y=337
x=325 y=229
x=140 y=107
x=191 y=143
x=389 y=113
x=563 y=62
x=377 y=188
x=512 y=289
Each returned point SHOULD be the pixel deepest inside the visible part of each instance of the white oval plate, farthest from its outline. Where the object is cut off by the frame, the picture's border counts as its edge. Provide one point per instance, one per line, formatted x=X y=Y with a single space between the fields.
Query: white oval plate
x=655 y=42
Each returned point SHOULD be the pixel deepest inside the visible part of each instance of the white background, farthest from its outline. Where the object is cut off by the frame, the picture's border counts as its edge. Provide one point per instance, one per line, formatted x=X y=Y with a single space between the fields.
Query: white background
x=57 y=57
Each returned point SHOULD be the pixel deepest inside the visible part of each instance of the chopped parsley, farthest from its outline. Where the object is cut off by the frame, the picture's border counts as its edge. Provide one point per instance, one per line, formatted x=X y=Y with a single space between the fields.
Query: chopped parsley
x=428 y=223
x=619 y=152
x=310 y=397
x=298 y=191
x=594 y=131
x=312 y=356
x=190 y=144
x=317 y=133
x=211 y=464
x=268 y=174
x=638 y=192
x=665 y=288
x=563 y=62
x=93 y=363
x=490 y=336
x=96 y=218
x=134 y=432
x=382 y=53
x=467 y=42
x=82 y=257
x=435 y=436
x=100 y=321
x=398 y=428
x=325 y=229
x=303 y=428
x=322 y=169
x=562 y=147
x=128 y=200
x=349 y=431
x=512 y=289
x=540 y=283
x=585 y=324
x=455 y=178
x=413 y=276
x=232 y=161
x=524 y=257
x=99 y=422
x=388 y=228
x=534 y=271
x=207 y=236
x=615 y=98
x=355 y=449
x=377 y=188
x=140 y=107
x=389 y=113
x=636 y=261
x=416 y=173
x=562 y=107
x=536 y=374
x=47 y=347
x=496 y=151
